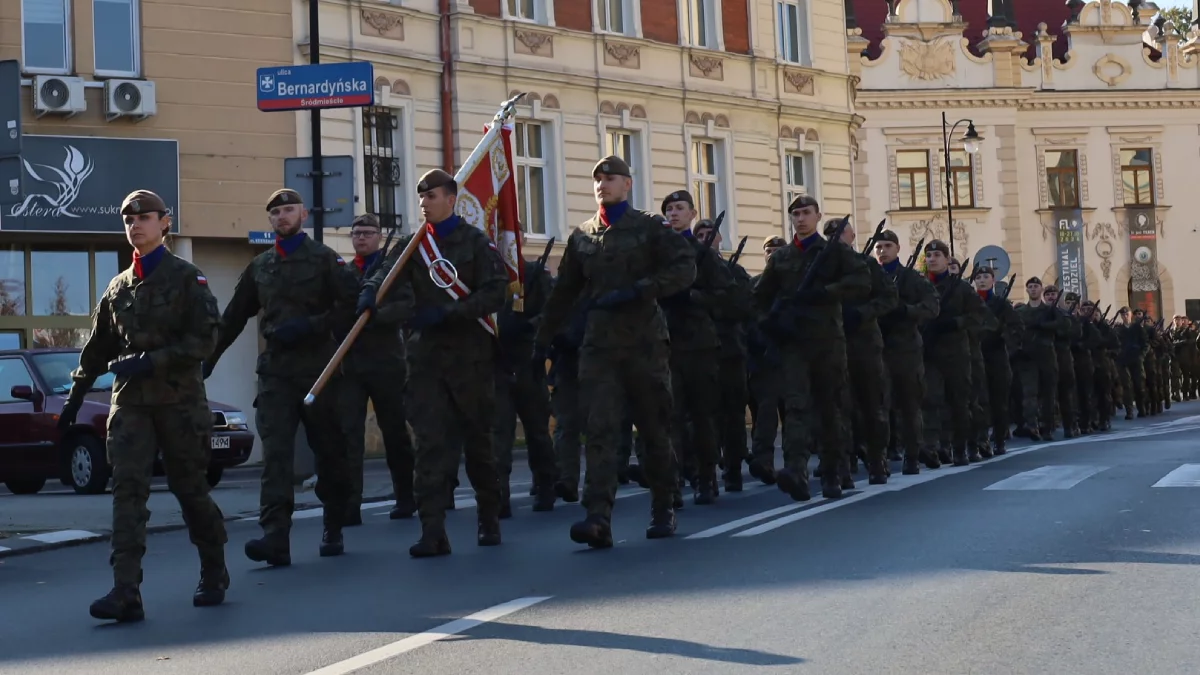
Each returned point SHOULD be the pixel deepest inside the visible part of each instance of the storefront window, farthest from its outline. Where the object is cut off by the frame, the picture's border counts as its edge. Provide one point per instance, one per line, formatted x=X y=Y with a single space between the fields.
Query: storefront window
x=107 y=267
x=10 y=339
x=12 y=282
x=61 y=286
x=60 y=337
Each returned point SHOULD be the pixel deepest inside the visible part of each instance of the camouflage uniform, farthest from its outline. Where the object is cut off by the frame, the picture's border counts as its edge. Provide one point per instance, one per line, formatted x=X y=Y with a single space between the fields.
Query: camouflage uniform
x=622 y=261
x=153 y=327
x=996 y=341
x=1037 y=366
x=733 y=387
x=306 y=296
x=1132 y=341
x=765 y=381
x=569 y=410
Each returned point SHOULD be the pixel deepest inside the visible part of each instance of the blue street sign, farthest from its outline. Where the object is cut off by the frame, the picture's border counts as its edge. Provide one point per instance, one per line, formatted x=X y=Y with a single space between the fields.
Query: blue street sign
x=262 y=238
x=323 y=85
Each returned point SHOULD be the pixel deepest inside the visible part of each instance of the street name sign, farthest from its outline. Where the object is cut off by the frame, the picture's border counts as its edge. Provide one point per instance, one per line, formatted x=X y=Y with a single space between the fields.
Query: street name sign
x=316 y=86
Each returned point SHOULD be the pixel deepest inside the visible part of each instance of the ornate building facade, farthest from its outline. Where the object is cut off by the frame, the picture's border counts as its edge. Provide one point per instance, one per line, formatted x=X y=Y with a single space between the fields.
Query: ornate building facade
x=1086 y=170
x=744 y=102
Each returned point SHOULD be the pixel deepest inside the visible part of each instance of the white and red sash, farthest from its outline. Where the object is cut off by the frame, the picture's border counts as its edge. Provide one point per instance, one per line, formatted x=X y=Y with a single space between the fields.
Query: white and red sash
x=454 y=287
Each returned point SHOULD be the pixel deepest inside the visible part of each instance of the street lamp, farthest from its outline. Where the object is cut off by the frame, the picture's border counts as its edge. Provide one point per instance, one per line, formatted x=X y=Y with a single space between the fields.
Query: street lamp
x=971 y=142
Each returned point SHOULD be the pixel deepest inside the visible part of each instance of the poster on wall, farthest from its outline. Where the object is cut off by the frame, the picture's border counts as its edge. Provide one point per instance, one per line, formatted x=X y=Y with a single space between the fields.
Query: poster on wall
x=1145 y=291
x=1072 y=276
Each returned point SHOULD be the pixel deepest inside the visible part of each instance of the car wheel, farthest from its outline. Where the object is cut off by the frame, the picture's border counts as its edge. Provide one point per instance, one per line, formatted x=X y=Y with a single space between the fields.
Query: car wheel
x=214 y=475
x=87 y=464
x=25 y=486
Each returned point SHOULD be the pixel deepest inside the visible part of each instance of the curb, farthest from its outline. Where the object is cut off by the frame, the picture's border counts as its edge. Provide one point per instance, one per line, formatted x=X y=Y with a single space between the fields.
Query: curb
x=73 y=538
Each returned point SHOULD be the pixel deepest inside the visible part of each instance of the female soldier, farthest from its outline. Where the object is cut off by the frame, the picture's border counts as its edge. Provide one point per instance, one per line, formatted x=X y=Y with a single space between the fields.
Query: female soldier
x=152 y=328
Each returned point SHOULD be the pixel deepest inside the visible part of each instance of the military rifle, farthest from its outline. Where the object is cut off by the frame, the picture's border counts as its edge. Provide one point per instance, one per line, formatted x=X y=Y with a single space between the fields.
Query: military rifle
x=383 y=252
x=738 y=253
x=1008 y=287
x=912 y=259
x=716 y=229
x=871 y=242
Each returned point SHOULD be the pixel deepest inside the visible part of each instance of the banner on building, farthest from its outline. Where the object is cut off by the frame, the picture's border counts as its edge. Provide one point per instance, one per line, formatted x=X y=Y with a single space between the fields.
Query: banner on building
x=77 y=183
x=1145 y=290
x=487 y=199
x=1072 y=275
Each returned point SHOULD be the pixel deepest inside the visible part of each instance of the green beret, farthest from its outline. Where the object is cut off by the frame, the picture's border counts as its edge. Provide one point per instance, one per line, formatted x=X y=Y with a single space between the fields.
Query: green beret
x=283 y=198
x=142 y=201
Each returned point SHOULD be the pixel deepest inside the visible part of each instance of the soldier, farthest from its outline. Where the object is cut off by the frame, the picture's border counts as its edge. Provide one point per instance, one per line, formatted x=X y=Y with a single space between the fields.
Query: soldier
x=695 y=372
x=521 y=392
x=451 y=361
x=765 y=375
x=152 y=328
x=569 y=411
x=374 y=370
x=981 y=408
x=903 y=347
x=1037 y=364
x=803 y=314
x=867 y=376
x=305 y=295
x=1105 y=345
x=1083 y=353
x=622 y=262
x=948 y=356
x=1065 y=336
x=995 y=341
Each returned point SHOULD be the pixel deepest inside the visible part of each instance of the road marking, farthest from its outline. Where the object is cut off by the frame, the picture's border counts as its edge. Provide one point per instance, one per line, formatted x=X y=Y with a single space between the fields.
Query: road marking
x=60 y=536
x=1187 y=475
x=428 y=637
x=902 y=482
x=1060 y=477
x=4 y=548
x=742 y=522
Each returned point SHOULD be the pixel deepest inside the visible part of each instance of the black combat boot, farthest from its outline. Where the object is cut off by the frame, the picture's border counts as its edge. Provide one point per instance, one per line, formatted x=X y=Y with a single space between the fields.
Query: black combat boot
x=332 y=543
x=943 y=455
x=595 y=531
x=273 y=549
x=638 y=475
x=761 y=469
x=433 y=543
x=704 y=493
x=877 y=473
x=960 y=456
x=543 y=496
x=505 y=502
x=973 y=455
x=999 y=447
x=846 y=474
x=662 y=523
x=985 y=449
x=623 y=473
x=931 y=459
x=488 y=533
x=912 y=466
x=733 y=476
x=568 y=492
x=794 y=483
x=211 y=590
x=405 y=508
x=831 y=488
x=123 y=604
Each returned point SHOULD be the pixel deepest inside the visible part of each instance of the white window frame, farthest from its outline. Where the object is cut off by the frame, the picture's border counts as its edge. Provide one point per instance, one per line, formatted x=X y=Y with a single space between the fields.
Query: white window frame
x=726 y=197
x=787 y=150
x=804 y=29
x=714 y=24
x=633 y=17
x=68 y=43
x=640 y=165
x=135 y=13
x=543 y=11
x=554 y=161
x=405 y=108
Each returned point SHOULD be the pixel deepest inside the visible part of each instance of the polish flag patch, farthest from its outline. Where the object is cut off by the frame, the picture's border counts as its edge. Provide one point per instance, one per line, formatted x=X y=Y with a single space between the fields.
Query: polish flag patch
x=202 y=280
x=341 y=262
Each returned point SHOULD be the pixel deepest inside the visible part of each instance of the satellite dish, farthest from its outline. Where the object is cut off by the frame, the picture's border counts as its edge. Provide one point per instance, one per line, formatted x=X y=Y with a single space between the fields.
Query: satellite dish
x=994 y=257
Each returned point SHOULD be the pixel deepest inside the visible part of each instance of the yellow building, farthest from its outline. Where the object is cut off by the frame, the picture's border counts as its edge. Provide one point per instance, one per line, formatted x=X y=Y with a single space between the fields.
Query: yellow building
x=744 y=102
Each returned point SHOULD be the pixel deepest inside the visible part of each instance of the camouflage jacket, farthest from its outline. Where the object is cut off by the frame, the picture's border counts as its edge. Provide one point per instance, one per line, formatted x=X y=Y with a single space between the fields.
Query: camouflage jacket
x=1040 y=326
x=517 y=329
x=171 y=315
x=883 y=299
x=731 y=324
x=958 y=313
x=918 y=304
x=1002 y=334
x=380 y=345
x=312 y=283
x=460 y=337
x=691 y=312
x=1133 y=343
x=843 y=275
x=635 y=252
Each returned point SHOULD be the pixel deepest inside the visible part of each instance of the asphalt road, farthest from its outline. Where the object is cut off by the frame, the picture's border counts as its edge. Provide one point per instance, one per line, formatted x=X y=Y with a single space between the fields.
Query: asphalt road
x=1071 y=557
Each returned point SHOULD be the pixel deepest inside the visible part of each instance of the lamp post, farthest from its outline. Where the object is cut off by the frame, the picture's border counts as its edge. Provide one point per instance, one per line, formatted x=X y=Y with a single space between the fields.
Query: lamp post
x=971 y=142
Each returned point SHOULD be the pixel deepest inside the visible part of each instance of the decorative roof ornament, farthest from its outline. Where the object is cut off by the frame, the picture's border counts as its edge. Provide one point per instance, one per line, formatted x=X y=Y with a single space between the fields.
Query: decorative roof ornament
x=1076 y=6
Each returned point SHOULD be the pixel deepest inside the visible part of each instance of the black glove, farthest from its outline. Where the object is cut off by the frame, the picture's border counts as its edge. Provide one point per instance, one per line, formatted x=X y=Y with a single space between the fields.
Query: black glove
x=428 y=316
x=207 y=369
x=366 y=301
x=813 y=296
x=70 y=410
x=851 y=319
x=133 y=364
x=293 y=330
x=618 y=297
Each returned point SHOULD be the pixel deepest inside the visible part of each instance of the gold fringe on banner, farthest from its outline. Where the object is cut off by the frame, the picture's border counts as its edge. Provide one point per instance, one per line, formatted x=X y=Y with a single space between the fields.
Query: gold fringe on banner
x=517 y=291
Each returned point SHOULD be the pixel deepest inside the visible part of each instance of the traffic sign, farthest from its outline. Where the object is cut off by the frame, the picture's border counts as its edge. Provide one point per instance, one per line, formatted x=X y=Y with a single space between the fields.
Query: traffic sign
x=337 y=187
x=316 y=86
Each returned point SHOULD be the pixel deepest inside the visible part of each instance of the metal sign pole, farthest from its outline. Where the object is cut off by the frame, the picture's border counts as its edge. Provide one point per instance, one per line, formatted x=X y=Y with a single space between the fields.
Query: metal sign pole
x=314 y=57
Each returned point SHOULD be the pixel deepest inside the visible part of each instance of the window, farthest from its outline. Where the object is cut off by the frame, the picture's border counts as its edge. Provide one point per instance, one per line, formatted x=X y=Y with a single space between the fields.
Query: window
x=912 y=177
x=798 y=171
x=13 y=373
x=793 y=31
x=46 y=29
x=116 y=30
x=707 y=164
x=1137 y=177
x=700 y=23
x=626 y=144
x=61 y=283
x=962 y=179
x=611 y=16
x=1062 y=179
x=383 y=174
x=12 y=282
x=530 y=164
x=537 y=11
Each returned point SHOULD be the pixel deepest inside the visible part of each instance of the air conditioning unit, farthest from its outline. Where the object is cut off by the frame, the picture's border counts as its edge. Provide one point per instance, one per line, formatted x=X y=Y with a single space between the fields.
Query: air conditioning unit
x=129 y=98
x=58 y=95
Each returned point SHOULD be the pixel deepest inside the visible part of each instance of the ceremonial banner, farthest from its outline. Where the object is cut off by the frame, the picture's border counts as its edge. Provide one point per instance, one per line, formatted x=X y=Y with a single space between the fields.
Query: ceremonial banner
x=1072 y=276
x=1144 y=290
x=487 y=199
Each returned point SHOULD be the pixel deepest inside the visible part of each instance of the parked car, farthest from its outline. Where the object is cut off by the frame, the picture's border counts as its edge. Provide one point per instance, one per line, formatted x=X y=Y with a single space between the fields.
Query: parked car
x=34 y=384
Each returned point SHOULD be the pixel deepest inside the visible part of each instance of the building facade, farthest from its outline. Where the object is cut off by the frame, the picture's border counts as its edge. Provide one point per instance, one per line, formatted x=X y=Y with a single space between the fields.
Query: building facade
x=1085 y=175
x=744 y=102
x=118 y=95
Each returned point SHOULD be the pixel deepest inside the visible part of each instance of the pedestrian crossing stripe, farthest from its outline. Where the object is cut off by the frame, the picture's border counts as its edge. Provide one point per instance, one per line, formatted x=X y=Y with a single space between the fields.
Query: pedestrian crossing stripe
x=1060 y=477
x=1187 y=475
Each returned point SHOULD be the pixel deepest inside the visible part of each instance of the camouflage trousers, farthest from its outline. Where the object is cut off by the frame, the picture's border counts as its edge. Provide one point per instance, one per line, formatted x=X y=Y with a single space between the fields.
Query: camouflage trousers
x=568 y=418
x=523 y=395
x=1085 y=388
x=1133 y=386
x=947 y=398
x=1037 y=371
x=766 y=409
x=135 y=434
x=906 y=389
x=385 y=391
x=611 y=379
x=695 y=378
x=998 y=375
x=731 y=415
x=1068 y=410
x=278 y=412
x=452 y=409
x=981 y=399
x=868 y=416
x=814 y=384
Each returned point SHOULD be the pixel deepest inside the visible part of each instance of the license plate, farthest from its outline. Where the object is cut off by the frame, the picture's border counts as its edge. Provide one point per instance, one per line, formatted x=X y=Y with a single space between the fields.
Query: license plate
x=220 y=442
